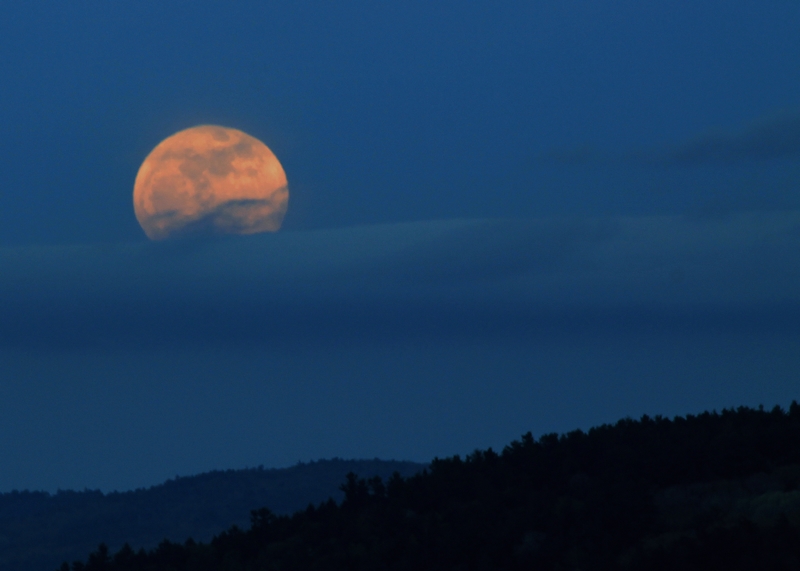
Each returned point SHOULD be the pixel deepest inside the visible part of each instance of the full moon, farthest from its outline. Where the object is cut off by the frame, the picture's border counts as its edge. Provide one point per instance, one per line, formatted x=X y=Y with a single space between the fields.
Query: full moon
x=210 y=180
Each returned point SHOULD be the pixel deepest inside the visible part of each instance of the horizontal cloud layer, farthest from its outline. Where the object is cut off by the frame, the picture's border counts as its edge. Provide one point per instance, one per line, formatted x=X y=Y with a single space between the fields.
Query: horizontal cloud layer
x=473 y=277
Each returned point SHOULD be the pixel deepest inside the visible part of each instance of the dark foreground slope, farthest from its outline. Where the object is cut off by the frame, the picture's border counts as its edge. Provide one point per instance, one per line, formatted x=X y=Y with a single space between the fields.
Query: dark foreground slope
x=713 y=491
x=38 y=530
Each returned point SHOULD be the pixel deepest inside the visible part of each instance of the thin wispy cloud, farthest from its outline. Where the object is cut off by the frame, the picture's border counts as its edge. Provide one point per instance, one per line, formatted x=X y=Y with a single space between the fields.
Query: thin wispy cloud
x=773 y=136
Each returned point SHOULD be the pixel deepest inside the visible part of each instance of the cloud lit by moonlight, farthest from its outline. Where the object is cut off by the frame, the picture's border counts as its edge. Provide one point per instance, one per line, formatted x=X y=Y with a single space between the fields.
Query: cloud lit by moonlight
x=210 y=180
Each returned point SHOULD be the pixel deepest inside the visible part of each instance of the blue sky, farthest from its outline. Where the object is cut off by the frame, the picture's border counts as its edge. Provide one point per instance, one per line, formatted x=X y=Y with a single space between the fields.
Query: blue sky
x=533 y=216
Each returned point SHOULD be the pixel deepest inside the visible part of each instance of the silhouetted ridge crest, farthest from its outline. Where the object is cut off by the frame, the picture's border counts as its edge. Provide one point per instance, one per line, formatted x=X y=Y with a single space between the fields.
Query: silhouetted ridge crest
x=710 y=491
x=38 y=530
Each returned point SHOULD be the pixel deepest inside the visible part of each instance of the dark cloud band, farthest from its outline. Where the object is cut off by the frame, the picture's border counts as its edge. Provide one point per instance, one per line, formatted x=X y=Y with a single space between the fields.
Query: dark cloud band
x=474 y=278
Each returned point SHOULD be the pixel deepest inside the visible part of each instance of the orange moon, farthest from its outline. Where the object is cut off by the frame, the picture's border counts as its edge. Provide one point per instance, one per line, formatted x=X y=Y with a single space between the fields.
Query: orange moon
x=210 y=180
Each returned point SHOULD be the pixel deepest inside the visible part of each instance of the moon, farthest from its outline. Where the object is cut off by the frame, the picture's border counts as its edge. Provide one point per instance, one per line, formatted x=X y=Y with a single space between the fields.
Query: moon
x=210 y=180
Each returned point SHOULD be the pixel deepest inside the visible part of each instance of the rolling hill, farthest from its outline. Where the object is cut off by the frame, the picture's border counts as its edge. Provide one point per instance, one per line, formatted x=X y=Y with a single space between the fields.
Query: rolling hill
x=39 y=530
x=714 y=491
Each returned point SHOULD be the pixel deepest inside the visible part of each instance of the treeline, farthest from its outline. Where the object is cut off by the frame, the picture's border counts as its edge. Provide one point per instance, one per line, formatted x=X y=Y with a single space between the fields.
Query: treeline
x=39 y=530
x=711 y=491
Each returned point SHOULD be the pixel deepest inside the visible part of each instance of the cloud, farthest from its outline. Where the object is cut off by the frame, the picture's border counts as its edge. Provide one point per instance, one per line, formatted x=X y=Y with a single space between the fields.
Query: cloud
x=449 y=278
x=243 y=216
x=774 y=136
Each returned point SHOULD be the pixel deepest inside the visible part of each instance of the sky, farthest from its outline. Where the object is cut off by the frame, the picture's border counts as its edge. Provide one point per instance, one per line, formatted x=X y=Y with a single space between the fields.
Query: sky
x=532 y=216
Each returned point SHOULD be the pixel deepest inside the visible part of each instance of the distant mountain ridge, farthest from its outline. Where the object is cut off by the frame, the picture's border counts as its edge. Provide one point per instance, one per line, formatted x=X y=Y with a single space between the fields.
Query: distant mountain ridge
x=39 y=530
x=718 y=491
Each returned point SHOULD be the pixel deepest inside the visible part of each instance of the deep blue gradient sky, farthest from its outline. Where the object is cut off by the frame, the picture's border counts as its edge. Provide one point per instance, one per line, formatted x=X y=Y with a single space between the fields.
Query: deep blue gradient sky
x=526 y=216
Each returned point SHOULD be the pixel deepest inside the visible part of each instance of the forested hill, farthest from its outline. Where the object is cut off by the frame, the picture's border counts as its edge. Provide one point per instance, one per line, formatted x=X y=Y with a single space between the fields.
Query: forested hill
x=715 y=491
x=39 y=530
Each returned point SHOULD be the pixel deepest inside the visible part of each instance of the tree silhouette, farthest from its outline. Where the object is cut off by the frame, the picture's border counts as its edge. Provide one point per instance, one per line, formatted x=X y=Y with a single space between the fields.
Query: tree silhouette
x=708 y=491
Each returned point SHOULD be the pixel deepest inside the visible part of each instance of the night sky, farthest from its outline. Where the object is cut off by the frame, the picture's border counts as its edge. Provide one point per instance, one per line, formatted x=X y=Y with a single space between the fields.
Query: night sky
x=503 y=217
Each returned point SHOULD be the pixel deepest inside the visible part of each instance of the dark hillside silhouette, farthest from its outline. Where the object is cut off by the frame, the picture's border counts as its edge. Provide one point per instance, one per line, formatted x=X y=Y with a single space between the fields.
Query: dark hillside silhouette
x=711 y=491
x=39 y=530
